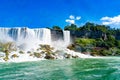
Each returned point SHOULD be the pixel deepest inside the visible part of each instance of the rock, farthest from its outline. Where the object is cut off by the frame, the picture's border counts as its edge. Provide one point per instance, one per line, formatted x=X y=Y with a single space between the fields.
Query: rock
x=21 y=52
x=10 y=46
x=6 y=58
x=38 y=55
x=14 y=56
x=75 y=56
x=38 y=49
x=71 y=47
x=42 y=52
x=48 y=56
x=29 y=52
x=67 y=55
x=46 y=49
x=6 y=55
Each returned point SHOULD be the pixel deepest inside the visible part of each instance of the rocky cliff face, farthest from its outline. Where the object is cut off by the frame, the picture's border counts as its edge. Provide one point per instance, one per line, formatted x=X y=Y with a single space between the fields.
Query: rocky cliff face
x=56 y=35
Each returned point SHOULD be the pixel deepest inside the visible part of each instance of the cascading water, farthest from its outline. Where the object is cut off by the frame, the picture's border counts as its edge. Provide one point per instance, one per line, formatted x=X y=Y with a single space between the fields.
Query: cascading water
x=43 y=35
x=27 y=39
x=66 y=37
x=61 y=44
x=4 y=37
x=67 y=41
x=25 y=36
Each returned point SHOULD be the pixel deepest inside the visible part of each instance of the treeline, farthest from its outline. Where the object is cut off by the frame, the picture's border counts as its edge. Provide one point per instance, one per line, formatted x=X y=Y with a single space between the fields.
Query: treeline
x=91 y=30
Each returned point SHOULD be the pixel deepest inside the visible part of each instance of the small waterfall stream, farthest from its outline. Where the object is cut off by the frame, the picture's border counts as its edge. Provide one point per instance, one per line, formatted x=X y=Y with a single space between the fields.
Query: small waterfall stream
x=66 y=35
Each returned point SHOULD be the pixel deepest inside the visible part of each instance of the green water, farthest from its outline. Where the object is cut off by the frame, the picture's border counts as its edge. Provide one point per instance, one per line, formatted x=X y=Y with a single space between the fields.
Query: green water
x=68 y=69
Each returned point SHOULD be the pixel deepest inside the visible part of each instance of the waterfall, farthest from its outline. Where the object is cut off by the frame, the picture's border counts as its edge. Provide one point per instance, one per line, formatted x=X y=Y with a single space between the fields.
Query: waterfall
x=62 y=43
x=25 y=38
x=29 y=40
x=66 y=35
x=4 y=37
x=44 y=35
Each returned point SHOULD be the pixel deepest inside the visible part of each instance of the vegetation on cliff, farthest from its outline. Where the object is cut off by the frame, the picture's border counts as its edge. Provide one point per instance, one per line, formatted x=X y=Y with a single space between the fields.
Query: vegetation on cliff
x=95 y=39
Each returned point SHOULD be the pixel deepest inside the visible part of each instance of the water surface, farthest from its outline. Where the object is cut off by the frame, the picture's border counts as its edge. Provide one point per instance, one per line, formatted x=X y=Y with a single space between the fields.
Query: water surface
x=68 y=69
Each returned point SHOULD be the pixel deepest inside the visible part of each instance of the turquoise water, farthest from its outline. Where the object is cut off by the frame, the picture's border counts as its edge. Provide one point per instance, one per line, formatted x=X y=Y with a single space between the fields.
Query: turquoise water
x=68 y=69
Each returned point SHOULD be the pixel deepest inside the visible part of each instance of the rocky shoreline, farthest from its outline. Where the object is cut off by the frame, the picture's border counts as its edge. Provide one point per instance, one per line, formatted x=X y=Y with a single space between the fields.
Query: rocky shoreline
x=9 y=52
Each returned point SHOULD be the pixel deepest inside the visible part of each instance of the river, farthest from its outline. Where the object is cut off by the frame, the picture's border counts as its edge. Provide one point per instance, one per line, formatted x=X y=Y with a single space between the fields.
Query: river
x=67 y=69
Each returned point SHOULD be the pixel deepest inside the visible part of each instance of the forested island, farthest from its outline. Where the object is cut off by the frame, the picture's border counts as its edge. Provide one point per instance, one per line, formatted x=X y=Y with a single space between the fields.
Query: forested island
x=93 y=39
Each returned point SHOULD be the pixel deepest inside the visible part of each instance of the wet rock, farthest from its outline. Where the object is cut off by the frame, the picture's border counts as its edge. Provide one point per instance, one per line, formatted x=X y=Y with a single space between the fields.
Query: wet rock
x=31 y=54
x=75 y=56
x=71 y=47
x=67 y=55
x=46 y=49
x=28 y=51
x=48 y=56
x=6 y=58
x=38 y=55
x=21 y=52
x=14 y=56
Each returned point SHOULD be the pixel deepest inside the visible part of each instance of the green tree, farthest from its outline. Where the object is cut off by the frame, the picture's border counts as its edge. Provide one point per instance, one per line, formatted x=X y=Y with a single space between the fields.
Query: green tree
x=71 y=27
x=56 y=28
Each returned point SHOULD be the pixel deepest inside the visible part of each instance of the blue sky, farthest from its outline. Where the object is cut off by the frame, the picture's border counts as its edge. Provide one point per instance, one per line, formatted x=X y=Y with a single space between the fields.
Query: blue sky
x=46 y=13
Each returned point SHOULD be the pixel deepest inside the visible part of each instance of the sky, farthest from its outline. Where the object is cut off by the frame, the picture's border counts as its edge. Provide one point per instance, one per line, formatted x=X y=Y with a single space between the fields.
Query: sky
x=47 y=13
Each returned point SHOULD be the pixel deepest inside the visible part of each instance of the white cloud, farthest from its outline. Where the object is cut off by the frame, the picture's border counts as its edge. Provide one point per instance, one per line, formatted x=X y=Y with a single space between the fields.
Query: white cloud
x=72 y=19
x=111 y=20
x=78 y=18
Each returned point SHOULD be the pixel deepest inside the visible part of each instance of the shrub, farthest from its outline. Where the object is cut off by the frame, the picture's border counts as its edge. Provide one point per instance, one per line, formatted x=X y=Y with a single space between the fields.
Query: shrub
x=84 y=42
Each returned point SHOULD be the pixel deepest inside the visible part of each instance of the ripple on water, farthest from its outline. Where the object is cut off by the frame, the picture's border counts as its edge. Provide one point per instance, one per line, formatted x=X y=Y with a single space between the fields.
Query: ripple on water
x=68 y=69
